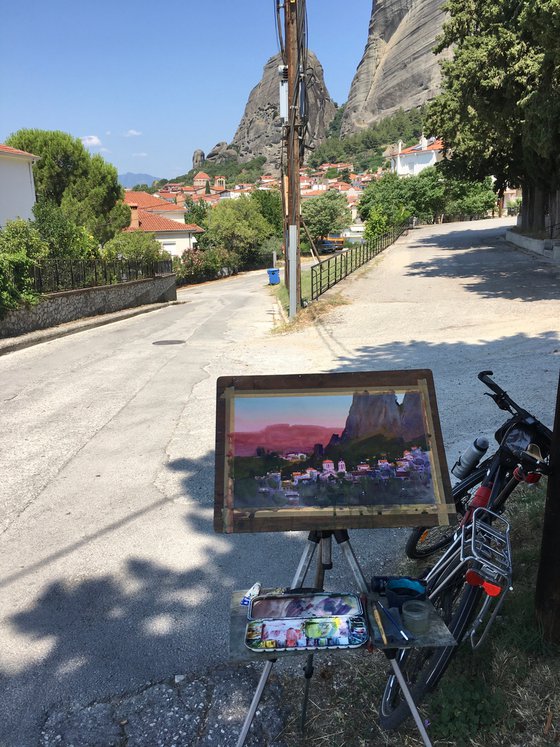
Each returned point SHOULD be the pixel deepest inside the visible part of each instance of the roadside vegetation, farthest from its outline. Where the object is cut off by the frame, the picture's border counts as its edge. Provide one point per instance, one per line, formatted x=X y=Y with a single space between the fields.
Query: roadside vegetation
x=432 y=196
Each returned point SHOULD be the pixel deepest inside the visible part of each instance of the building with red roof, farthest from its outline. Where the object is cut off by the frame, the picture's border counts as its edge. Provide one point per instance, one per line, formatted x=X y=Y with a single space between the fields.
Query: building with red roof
x=174 y=237
x=17 y=186
x=411 y=161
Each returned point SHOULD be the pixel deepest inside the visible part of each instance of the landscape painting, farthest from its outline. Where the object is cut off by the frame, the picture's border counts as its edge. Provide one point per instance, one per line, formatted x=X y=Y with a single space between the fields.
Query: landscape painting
x=330 y=456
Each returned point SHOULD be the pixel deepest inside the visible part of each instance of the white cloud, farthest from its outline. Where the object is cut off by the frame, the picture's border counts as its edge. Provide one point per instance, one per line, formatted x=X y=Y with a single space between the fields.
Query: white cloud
x=108 y=132
x=91 y=141
x=139 y=155
x=104 y=150
x=132 y=133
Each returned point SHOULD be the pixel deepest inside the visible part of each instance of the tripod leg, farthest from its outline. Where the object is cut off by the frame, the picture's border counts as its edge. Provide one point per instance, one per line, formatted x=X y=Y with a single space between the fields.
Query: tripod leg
x=411 y=703
x=344 y=541
x=255 y=702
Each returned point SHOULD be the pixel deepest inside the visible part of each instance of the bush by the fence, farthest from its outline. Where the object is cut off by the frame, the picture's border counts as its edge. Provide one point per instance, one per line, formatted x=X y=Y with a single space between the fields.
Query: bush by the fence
x=197 y=265
x=16 y=281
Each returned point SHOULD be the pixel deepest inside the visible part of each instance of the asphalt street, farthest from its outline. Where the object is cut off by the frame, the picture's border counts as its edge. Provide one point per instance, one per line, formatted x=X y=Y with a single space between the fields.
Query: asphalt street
x=111 y=576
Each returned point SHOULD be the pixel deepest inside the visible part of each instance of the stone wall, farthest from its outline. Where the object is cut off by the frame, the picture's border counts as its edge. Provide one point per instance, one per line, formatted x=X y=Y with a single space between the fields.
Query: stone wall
x=58 y=308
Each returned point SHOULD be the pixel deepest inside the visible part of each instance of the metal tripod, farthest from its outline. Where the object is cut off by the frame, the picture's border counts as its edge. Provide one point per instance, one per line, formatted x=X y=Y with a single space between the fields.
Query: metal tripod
x=323 y=539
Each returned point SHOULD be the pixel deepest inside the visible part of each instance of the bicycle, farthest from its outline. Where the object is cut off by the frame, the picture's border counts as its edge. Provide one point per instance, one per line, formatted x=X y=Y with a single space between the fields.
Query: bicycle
x=469 y=582
x=495 y=478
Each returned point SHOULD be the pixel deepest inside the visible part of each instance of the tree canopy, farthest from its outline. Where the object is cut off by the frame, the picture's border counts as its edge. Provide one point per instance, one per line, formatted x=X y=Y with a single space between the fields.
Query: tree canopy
x=430 y=195
x=325 y=214
x=85 y=186
x=499 y=110
x=237 y=226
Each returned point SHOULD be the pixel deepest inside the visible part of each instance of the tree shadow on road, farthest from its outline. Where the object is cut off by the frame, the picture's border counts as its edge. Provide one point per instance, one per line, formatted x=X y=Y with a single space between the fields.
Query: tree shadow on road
x=503 y=272
x=117 y=632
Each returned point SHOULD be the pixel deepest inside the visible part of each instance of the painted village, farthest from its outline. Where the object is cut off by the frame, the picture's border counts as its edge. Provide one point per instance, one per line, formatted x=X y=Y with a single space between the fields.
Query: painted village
x=383 y=480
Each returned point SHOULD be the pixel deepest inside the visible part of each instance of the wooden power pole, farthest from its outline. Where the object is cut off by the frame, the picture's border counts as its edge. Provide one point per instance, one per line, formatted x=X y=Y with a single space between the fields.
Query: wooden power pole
x=292 y=142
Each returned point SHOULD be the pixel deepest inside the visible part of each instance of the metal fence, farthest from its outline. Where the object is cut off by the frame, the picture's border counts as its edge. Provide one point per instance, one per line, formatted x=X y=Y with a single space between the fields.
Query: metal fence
x=54 y=275
x=330 y=271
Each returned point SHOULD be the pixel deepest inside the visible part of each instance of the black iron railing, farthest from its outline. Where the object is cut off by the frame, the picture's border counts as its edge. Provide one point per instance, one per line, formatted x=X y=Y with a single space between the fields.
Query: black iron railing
x=54 y=275
x=331 y=271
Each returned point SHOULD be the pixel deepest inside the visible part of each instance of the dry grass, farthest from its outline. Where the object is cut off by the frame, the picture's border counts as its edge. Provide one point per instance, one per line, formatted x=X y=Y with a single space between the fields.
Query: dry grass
x=505 y=695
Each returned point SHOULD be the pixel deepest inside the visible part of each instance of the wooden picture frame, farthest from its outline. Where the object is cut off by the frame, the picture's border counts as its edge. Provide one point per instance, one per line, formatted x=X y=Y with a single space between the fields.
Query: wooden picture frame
x=329 y=451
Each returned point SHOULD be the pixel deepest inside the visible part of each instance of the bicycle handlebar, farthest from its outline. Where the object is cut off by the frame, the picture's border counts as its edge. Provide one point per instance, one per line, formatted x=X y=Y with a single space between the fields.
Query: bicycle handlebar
x=500 y=396
x=505 y=402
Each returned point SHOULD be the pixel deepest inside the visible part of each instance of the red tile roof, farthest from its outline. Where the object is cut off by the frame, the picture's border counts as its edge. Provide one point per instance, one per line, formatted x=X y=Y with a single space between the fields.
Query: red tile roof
x=435 y=145
x=201 y=175
x=15 y=152
x=144 y=200
x=166 y=206
x=158 y=223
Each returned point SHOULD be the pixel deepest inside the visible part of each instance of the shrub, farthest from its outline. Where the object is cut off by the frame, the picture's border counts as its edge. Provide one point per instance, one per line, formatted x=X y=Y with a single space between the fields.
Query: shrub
x=197 y=265
x=20 y=249
x=134 y=245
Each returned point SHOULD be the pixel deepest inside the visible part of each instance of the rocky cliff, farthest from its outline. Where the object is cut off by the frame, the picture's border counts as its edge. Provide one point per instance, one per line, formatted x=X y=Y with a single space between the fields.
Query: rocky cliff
x=398 y=68
x=382 y=415
x=260 y=130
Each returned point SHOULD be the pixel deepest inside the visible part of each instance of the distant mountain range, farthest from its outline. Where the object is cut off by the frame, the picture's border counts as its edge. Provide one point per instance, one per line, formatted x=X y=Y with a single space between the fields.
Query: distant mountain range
x=129 y=179
x=282 y=437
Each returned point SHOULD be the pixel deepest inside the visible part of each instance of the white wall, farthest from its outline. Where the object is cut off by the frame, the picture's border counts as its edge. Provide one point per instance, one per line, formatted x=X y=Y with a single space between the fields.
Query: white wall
x=176 y=245
x=411 y=164
x=17 y=189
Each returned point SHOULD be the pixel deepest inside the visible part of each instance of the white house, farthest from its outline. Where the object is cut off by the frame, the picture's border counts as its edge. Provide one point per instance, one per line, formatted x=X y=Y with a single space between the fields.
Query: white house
x=17 y=187
x=411 y=161
x=174 y=237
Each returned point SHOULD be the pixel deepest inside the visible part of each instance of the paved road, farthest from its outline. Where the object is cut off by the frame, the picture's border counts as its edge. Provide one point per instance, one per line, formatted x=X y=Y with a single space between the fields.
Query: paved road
x=110 y=573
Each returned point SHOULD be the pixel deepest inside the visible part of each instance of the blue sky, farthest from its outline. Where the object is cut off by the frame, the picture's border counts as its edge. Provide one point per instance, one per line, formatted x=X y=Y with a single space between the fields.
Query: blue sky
x=149 y=82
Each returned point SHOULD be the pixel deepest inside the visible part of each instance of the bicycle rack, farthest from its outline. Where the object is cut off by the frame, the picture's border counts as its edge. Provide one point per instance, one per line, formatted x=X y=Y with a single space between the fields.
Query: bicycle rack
x=485 y=544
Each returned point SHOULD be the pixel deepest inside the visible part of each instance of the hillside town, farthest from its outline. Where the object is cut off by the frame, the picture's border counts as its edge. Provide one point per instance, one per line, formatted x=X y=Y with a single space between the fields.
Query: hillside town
x=299 y=486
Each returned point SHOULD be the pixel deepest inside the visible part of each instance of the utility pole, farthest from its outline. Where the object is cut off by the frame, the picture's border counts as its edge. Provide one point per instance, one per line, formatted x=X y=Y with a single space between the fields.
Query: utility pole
x=294 y=18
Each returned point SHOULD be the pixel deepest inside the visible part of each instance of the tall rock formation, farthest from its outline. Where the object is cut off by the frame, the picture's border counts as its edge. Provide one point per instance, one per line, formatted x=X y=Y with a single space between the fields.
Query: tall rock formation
x=260 y=130
x=381 y=414
x=398 y=68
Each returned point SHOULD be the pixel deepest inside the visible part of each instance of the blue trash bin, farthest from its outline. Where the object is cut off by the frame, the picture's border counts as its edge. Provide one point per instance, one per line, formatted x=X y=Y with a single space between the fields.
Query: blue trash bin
x=273 y=276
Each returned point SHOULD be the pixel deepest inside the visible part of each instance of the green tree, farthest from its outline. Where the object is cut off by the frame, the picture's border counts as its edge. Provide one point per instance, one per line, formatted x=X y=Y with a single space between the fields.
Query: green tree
x=391 y=194
x=21 y=248
x=63 y=160
x=62 y=236
x=499 y=110
x=95 y=201
x=196 y=212
x=427 y=194
x=326 y=214
x=269 y=203
x=238 y=226
x=140 y=246
x=86 y=187
x=376 y=223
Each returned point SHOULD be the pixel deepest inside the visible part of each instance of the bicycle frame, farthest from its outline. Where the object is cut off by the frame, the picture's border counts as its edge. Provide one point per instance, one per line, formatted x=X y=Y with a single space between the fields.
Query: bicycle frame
x=485 y=550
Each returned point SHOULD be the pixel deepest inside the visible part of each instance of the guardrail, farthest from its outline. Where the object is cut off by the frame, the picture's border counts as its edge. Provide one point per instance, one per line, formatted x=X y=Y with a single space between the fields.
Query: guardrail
x=331 y=271
x=54 y=275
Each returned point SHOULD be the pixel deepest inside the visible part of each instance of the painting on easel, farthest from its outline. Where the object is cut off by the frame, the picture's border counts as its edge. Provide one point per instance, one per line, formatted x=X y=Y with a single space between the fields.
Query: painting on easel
x=329 y=451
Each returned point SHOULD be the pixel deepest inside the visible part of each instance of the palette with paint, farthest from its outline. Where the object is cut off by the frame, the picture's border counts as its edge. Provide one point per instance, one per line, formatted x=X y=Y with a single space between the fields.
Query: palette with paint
x=292 y=622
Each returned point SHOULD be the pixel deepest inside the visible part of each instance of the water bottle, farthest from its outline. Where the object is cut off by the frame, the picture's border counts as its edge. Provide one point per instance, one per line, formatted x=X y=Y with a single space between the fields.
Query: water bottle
x=470 y=458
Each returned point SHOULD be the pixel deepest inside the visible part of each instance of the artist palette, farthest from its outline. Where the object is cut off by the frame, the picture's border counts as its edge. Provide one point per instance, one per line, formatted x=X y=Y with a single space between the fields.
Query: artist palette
x=305 y=622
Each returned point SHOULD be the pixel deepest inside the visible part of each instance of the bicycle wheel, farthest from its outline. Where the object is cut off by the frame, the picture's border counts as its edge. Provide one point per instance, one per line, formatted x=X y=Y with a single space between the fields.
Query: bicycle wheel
x=425 y=541
x=422 y=668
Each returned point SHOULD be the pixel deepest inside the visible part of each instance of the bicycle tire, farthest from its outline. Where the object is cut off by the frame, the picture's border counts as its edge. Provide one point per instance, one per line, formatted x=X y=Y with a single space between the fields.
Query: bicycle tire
x=425 y=541
x=423 y=668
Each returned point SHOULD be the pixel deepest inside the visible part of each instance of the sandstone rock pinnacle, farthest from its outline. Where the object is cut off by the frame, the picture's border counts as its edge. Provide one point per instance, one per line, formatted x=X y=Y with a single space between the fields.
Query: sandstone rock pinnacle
x=398 y=68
